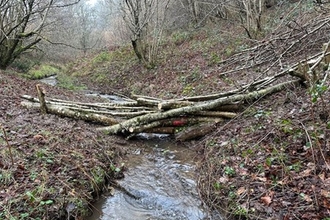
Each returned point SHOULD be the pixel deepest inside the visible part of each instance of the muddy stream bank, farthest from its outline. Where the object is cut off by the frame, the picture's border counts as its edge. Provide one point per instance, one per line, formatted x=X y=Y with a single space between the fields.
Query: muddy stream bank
x=159 y=184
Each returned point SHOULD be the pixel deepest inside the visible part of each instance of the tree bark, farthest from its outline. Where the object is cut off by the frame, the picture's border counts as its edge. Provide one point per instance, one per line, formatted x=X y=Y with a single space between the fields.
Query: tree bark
x=216 y=114
x=195 y=132
x=41 y=96
x=173 y=122
x=59 y=110
x=145 y=119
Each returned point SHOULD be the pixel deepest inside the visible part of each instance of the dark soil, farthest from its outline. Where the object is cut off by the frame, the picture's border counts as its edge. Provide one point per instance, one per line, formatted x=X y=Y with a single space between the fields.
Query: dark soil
x=272 y=162
x=50 y=166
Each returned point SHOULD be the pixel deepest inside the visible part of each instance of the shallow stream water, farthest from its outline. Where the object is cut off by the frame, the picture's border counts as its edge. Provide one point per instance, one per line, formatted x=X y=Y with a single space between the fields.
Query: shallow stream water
x=160 y=182
x=51 y=80
x=161 y=176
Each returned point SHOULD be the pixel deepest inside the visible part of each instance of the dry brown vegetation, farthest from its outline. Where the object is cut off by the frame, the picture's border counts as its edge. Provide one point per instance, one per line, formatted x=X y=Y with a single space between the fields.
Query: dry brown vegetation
x=51 y=167
x=270 y=162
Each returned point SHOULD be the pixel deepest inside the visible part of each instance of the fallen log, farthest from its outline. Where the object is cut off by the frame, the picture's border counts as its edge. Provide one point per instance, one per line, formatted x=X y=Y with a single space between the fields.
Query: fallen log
x=171 y=104
x=92 y=107
x=124 y=127
x=234 y=107
x=147 y=102
x=161 y=130
x=58 y=110
x=195 y=132
x=99 y=104
x=173 y=122
x=217 y=114
x=124 y=114
x=135 y=96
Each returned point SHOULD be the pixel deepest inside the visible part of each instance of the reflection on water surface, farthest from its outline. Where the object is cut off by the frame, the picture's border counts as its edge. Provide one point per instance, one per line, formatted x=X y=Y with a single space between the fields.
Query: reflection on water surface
x=162 y=176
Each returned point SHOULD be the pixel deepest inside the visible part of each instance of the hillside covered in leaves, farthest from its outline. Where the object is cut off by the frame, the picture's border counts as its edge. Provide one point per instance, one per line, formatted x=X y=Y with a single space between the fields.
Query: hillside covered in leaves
x=272 y=161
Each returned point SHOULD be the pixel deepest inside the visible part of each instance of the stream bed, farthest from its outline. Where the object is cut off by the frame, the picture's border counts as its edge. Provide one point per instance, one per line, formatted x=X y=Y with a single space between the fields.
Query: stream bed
x=160 y=182
x=161 y=176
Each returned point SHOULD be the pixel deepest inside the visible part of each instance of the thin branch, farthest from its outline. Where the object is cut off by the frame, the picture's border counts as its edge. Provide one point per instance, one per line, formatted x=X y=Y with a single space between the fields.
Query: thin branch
x=8 y=145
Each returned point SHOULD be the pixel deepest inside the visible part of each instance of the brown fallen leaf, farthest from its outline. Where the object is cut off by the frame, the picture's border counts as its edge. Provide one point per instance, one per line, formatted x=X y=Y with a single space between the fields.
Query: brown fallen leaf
x=266 y=200
x=240 y=190
x=305 y=173
x=38 y=137
x=325 y=193
x=326 y=203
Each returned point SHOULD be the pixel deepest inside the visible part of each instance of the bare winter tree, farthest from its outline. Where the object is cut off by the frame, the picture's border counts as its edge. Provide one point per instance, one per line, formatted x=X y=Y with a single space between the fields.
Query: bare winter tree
x=85 y=26
x=145 y=20
x=253 y=10
x=21 y=26
x=248 y=12
x=111 y=21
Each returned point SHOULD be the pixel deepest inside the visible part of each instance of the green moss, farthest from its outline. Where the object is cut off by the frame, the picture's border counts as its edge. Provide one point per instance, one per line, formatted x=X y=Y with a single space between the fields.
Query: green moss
x=180 y=36
x=24 y=64
x=102 y=57
x=42 y=71
x=69 y=82
x=188 y=90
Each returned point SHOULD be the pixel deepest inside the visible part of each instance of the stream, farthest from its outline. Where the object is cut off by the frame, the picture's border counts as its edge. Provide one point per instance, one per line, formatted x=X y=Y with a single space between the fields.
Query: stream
x=160 y=182
x=161 y=177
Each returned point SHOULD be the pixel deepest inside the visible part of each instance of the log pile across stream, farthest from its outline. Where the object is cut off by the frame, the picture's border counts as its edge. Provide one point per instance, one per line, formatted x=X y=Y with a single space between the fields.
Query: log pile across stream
x=186 y=118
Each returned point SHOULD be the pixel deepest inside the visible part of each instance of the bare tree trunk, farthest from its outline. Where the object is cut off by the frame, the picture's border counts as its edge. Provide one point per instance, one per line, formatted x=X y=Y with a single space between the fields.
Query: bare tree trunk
x=41 y=96
x=138 y=50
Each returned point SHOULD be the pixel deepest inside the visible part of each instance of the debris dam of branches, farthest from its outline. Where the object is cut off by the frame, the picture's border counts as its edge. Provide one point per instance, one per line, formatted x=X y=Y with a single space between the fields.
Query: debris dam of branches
x=192 y=117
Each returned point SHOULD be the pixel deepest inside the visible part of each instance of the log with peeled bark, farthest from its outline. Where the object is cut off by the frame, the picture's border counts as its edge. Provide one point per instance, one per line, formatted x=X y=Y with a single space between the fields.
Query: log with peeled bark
x=60 y=110
x=124 y=126
x=217 y=114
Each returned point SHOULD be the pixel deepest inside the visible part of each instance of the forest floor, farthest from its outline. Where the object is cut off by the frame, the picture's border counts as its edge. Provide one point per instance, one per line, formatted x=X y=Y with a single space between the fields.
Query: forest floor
x=50 y=166
x=270 y=162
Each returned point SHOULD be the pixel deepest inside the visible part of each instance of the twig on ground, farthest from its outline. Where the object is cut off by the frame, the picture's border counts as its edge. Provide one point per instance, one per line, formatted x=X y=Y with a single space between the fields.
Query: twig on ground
x=8 y=145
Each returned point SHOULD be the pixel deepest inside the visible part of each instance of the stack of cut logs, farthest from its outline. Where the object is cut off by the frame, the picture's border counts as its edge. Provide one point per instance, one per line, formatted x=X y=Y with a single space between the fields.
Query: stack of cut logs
x=186 y=118
x=146 y=112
